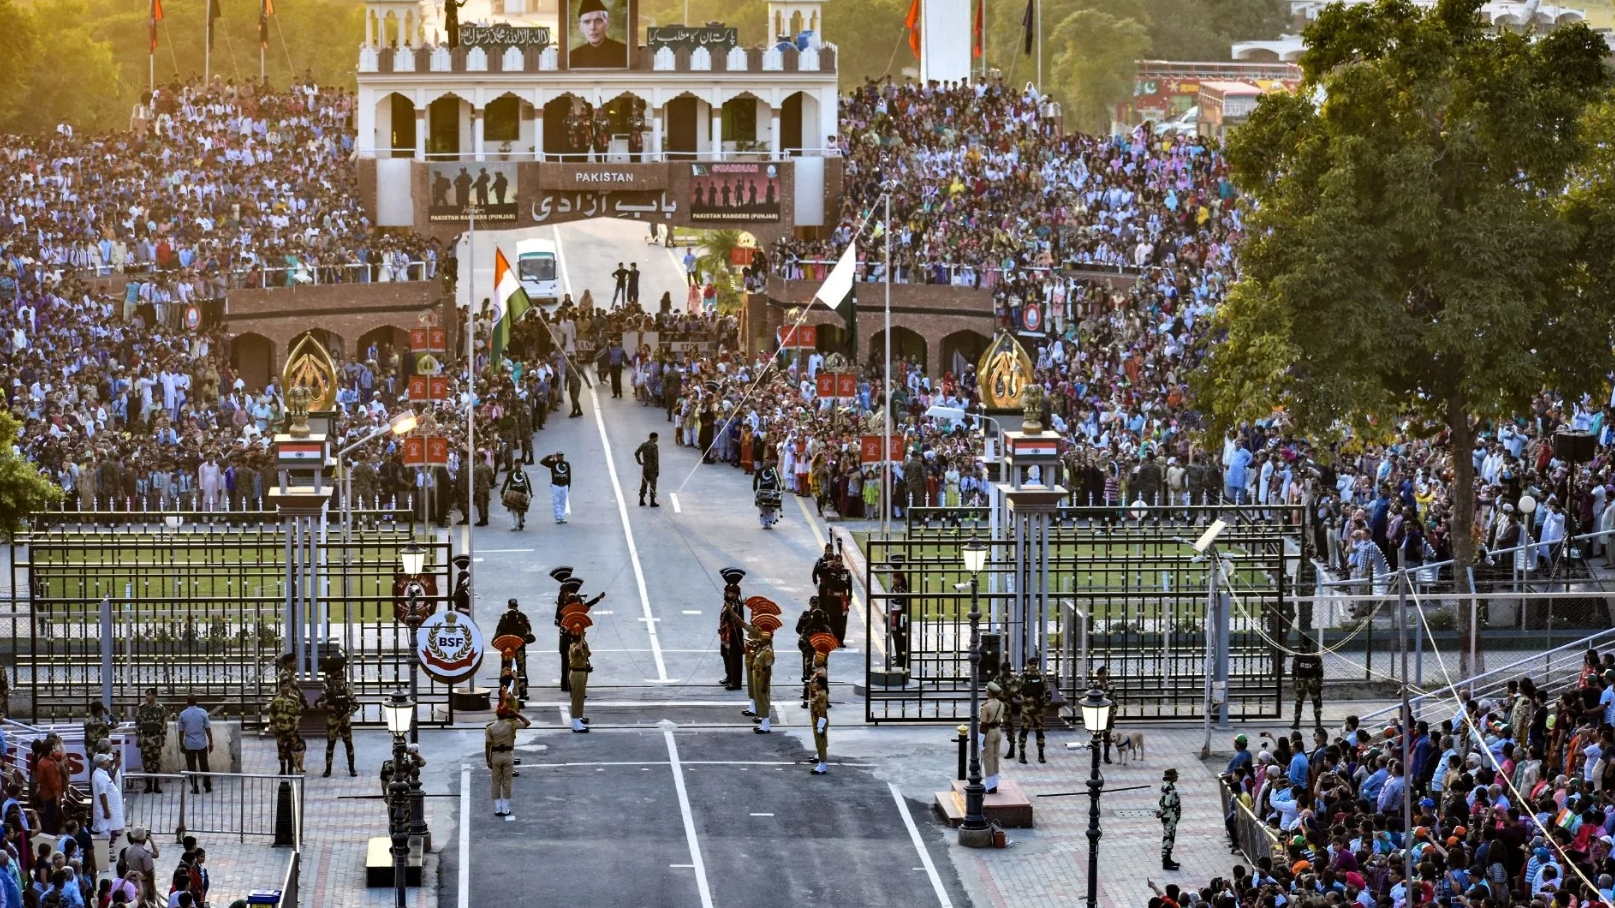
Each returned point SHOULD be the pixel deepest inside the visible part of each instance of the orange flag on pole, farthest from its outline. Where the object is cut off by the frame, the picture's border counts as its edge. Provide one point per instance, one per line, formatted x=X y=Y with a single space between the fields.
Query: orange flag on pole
x=912 y=23
x=975 y=47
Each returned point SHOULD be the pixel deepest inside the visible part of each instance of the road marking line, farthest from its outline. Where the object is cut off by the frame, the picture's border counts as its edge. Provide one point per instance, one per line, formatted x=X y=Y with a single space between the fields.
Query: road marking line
x=601 y=611
x=875 y=640
x=502 y=551
x=622 y=503
x=919 y=845
x=464 y=882
x=689 y=816
x=682 y=866
x=674 y=497
x=692 y=611
x=762 y=814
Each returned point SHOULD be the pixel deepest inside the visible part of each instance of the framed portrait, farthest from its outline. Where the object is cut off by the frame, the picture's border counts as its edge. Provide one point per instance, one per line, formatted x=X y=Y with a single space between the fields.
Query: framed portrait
x=599 y=33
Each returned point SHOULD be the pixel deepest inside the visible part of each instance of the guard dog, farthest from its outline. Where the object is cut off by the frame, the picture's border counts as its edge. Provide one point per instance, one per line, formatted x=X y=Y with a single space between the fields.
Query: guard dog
x=1131 y=742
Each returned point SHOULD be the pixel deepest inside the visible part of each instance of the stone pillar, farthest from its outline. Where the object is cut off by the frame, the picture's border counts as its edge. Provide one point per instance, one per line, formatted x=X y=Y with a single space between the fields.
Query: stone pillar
x=716 y=143
x=365 y=122
x=773 y=133
x=420 y=133
x=476 y=133
x=655 y=135
x=370 y=28
x=538 y=133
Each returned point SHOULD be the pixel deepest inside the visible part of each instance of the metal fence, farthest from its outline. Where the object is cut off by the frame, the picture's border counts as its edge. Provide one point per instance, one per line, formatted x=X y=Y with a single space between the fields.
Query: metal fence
x=1254 y=838
x=200 y=610
x=241 y=805
x=1131 y=596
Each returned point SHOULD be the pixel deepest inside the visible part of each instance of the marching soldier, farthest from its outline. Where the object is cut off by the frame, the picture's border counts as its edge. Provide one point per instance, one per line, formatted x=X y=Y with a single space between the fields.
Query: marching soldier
x=515 y=623
x=731 y=628
x=1034 y=698
x=285 y=714
x=1101 y=680
x=1308 y=674
x=340 y=705
x=1170 y=811
x=569 y=588
x=812 y=621
x=762 y=679
x=820 y=714
x=835 y=597
x=1010 y=683
x=97 y=729
x=897 y=612
x=649 y=458
x=992 y=724
x=579 y=667
x=499 y=745
x=151 y=733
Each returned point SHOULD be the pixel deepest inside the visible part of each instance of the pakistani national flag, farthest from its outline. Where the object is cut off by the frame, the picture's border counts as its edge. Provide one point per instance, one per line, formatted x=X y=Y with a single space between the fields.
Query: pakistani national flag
x=836 y=293
x=510 y=302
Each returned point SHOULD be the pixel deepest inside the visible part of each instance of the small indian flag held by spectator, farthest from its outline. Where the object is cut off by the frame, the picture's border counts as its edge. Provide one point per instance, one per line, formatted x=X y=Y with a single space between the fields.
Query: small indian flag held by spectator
x=510 y=302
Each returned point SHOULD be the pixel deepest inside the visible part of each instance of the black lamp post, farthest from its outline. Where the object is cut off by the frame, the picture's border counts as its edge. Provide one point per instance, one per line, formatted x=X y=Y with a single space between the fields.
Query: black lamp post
x=974 y=832
x=400 y=713
x=413 y=560
x=1096 y=713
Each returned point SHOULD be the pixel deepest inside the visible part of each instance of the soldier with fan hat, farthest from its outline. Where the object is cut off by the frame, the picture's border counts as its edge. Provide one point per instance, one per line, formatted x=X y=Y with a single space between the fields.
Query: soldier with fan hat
x=748 y=653
x=765 y=609
x=819 y=712
x=762 y=670
x=731 y=628
x=499 y=745
x=575 y=619
x=513 y=623
x=811 y=621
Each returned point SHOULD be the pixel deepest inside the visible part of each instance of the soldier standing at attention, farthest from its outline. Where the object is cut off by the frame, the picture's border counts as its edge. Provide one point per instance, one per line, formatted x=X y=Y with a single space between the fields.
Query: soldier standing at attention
x=731 y=627
x=1034 y=698
x=285 y=712
x=482 y=488
x=897 y=612
x=560 y=483
x=340 y=705
x=748 y=656
x=819 y=711
x=992 y=723
x=499 y=745
x=514 y=623
x=762 y=679
x=1011 y=684
x=97 y=729
x=151 y=733
x=649 y=458
x=578 y=667
x=1170 y=811
x=1308 y=674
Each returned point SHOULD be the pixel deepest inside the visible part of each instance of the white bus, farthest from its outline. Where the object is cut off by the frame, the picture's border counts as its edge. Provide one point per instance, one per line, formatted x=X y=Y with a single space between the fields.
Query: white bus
x=537 y=268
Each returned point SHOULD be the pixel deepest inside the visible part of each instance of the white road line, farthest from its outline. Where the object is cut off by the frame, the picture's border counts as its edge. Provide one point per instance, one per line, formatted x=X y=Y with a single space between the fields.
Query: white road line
x=876 y=640
x=762 y=814
x=674 y=497
x=689 y=817
x=464 y=882
x=502 y=551
x=622 y=504
x=919 y=845
x=597 y=612
x=692 y=611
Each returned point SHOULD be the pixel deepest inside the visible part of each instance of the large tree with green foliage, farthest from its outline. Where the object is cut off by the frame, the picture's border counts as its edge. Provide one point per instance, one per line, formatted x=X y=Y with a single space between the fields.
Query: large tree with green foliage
x=1423 y=238
x=23 y=489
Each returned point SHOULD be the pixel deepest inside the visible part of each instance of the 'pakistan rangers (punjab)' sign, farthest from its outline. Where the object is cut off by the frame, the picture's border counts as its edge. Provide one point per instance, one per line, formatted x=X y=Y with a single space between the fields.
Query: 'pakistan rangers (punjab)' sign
x=450 y=646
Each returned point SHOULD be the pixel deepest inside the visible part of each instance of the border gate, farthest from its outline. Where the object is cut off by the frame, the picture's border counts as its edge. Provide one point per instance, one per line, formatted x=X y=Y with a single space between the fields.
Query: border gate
x=1130 y=595
x=200 y=608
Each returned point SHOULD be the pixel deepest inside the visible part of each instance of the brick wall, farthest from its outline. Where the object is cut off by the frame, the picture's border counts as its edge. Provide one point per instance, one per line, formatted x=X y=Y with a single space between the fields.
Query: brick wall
x=347 y=310
x=932 y=312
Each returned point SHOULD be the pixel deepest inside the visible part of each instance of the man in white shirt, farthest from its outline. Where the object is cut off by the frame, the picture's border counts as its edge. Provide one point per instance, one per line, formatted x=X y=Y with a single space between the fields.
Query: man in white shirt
x=106 y=800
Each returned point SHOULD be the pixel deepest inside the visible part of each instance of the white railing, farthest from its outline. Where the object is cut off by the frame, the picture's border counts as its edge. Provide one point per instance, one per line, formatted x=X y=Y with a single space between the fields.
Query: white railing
x=238 y=278
x=496 y=156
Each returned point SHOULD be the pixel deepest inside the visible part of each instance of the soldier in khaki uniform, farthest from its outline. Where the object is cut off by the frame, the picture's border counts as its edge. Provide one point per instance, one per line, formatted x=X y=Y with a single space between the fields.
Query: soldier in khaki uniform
x=748 y=653
x=151 y=733
x=482 y=477
x=578 y=667
x=992 y=734
x=499 y=745
x=762 y=679
x=819 y=711
x=285 y=714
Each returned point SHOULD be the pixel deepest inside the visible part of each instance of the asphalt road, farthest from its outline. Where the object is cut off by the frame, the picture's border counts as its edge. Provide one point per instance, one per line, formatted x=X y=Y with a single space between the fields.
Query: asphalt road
x=600 y=819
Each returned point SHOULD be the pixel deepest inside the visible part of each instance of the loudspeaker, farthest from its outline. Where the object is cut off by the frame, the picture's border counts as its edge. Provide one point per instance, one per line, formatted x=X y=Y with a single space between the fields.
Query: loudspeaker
x=1573 y=446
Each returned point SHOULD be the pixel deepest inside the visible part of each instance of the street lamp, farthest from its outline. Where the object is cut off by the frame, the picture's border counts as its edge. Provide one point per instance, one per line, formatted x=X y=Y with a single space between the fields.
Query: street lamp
x=400 y=713
x=1097 y=710
x=412 y=560
x=974 y=832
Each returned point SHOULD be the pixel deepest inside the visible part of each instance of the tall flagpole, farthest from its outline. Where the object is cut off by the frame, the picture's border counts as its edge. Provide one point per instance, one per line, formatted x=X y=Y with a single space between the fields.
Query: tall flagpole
x=1039 y=46
x=886 y=423
x=471 y=369
x=207 y=55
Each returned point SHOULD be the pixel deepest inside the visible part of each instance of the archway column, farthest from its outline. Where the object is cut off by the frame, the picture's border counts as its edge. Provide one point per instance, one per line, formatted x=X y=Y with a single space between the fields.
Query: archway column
x=476 y=133
x=775 y=152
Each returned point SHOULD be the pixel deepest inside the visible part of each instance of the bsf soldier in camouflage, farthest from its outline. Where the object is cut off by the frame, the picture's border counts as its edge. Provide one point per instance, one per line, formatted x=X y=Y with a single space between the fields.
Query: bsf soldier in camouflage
x=340 y=705
x=285 y=714
x=151 y=733
x=1307 y=673
x=286 y=671
x=1034 y=698
x=1010 y=683
x=364 y=485
x=1169 y=809
x=97 y=730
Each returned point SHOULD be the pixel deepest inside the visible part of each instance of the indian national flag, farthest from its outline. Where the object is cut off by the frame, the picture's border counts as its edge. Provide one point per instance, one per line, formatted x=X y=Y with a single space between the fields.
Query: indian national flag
x=511 y=302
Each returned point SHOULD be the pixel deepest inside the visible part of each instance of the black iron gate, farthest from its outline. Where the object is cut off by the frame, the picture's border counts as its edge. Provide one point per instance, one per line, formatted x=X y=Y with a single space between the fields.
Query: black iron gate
x=1132 y=596
x=193 y=603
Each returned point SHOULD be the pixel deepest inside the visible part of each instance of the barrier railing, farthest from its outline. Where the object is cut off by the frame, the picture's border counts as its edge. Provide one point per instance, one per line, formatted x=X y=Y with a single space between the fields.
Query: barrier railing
x=1254 y=838
x=242 y=805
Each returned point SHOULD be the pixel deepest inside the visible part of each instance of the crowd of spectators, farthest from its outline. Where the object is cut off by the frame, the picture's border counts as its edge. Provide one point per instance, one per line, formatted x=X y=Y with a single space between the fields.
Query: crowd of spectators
x=1513 y=804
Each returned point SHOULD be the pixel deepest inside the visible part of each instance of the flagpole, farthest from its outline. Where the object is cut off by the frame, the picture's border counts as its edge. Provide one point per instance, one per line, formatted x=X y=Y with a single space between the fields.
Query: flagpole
x=471 y=359
x=886 y=423
x=207 y=55
x=1039 y=47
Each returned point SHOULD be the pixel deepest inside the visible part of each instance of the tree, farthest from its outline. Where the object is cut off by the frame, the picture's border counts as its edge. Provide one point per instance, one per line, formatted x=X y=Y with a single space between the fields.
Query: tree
x=1096 y=65
x=1415 y=247
x=80 y=87
x=23 y=489
x=717 y=252
x=17 y=63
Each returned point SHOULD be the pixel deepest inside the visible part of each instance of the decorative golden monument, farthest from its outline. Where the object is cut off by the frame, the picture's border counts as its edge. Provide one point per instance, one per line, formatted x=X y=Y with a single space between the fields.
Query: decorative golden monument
x=310 y=366
x=1032 y=409
x=1003 y=373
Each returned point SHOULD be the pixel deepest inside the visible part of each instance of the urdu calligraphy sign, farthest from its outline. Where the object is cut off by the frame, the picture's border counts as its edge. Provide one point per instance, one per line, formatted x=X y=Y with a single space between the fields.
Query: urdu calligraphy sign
x=717 y=38
x=503 y=36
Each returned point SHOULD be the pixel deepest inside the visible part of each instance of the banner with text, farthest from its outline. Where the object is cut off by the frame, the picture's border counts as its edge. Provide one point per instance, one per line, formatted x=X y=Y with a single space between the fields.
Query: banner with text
x=734 y=192
x=869 y=447
x=457 y=188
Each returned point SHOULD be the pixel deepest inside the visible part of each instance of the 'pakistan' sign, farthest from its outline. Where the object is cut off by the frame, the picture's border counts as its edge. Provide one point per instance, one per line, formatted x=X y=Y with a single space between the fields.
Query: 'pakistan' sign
x=503 y=36
x=715 y=38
